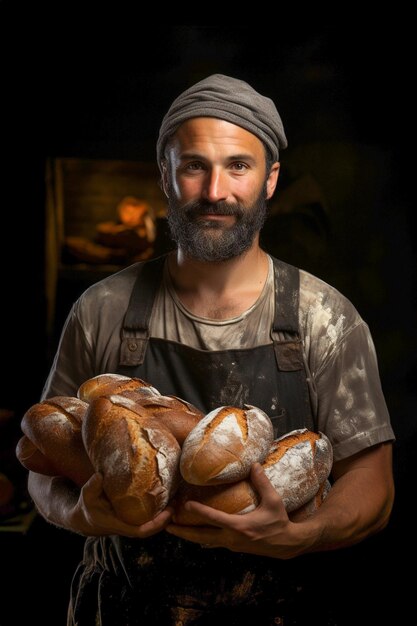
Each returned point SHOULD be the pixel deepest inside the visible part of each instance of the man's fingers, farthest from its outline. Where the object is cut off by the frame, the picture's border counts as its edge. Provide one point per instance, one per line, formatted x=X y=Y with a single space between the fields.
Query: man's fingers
x=210 y=515
x=267 y=493
x=259 y=478
x=198 y=534
x=94 y=485
x=158 y=523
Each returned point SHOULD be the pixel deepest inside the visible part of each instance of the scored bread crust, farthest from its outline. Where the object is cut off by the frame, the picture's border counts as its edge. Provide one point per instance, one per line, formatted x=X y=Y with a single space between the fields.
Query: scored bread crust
x=297 y=464
x=137 y=458
x=310 y=507
x=177 y=415
x=222 y=447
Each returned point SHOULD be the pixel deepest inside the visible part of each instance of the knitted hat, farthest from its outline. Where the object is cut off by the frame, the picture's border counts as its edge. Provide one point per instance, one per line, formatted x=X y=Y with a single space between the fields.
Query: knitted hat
x=229 y=99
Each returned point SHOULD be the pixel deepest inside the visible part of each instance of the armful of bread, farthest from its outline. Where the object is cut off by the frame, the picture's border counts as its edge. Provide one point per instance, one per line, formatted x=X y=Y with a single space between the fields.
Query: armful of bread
x=298 y=465
x=150 y=448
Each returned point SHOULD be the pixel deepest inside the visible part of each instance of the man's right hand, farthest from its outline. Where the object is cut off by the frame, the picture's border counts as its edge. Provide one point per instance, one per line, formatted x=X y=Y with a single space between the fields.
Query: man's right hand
x=94 y=512
x=87 y=512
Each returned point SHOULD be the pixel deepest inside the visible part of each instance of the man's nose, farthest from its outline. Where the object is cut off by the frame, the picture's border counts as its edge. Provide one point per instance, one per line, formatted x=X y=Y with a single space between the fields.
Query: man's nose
x=216 y=186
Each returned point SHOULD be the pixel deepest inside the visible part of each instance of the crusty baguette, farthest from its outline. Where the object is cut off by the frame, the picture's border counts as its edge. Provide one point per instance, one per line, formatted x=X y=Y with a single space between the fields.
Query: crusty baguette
x=222 y=447
x=106 y=384
x=137 y=457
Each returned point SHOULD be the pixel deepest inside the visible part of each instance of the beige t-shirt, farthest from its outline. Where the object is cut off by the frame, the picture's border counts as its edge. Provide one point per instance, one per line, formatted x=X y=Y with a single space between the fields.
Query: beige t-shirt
x=340 y=359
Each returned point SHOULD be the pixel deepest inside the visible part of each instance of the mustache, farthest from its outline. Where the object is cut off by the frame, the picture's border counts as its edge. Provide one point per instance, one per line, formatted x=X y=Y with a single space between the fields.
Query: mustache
x=197 y=208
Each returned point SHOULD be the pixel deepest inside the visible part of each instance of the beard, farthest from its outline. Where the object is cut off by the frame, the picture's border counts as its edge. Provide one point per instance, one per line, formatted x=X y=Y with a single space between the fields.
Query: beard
x=208 y=240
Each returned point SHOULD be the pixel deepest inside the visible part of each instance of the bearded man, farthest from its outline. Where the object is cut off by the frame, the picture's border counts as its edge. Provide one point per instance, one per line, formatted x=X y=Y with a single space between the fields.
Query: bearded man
x=219 y=322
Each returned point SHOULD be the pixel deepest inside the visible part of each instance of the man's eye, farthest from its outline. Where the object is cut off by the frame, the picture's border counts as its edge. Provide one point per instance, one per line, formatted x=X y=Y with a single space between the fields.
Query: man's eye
x=240 y=167
x=193 y=166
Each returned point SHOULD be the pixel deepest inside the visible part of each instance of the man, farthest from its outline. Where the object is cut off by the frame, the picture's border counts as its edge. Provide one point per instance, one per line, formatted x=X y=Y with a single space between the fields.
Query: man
x=220 y=322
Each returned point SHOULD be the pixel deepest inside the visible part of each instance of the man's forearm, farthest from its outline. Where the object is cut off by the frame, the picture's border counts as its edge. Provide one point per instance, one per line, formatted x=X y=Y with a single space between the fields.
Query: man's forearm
x=359 y=504
x=55 y=498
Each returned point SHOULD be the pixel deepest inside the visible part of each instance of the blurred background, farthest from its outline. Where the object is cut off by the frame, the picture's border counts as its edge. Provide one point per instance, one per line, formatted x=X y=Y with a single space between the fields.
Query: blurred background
x=81 y=114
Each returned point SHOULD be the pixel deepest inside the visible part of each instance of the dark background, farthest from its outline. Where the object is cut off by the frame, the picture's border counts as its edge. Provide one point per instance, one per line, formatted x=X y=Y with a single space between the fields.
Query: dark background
x=345 y=94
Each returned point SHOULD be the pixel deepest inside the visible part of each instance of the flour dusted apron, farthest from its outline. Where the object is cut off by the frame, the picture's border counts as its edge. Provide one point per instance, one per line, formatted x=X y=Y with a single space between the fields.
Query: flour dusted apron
x=164 y=580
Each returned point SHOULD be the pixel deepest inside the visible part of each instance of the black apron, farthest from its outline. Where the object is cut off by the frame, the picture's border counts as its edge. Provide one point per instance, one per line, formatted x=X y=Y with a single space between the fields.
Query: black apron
x=164 y=580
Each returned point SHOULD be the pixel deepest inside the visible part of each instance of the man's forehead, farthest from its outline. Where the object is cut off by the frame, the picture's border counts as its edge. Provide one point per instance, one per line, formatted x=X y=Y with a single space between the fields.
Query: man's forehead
x=200 y=133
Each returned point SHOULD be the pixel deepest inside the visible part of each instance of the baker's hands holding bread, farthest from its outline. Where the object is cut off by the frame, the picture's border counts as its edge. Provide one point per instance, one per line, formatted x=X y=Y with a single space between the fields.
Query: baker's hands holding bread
x=93 y=515
x=138 y=450
x=267 y=530
x=86 y=511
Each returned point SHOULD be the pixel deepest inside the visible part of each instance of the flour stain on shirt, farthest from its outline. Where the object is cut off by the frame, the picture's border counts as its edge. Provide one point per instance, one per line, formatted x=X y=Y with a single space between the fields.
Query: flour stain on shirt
x=324 y=321
x=335 y=331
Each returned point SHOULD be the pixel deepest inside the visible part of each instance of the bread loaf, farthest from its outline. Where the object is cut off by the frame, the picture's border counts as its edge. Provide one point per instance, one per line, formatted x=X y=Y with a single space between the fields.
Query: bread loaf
x=137 y=457
x=237 y=498
x=224 y=445
x=106 y=384
x=32 y=458
x=312 y=505
x=297 y=465
x=54 y=428
x=177 y=415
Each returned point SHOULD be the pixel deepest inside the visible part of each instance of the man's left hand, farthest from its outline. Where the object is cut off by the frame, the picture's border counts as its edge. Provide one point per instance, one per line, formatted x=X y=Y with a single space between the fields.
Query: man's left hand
x=265 y=531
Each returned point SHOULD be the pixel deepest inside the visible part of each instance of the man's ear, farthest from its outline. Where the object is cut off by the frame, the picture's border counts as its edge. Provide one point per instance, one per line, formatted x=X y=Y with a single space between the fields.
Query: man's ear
x=272 y=180
x=165 y=178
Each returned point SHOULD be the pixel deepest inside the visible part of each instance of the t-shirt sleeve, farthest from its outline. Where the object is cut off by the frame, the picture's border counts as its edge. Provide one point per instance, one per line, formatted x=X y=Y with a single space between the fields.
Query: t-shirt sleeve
x=73 y=362
x=351 y=406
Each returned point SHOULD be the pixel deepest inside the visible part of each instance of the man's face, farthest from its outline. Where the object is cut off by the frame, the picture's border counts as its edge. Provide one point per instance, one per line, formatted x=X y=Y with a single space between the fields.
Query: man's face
x=217 y=187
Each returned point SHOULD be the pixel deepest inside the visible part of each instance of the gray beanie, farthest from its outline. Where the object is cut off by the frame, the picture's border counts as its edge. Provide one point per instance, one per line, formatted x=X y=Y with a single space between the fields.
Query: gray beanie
x=229 y=99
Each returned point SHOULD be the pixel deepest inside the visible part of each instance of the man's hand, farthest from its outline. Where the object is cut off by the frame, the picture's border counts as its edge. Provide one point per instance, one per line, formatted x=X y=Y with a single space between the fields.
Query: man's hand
x=358 y=505
x=94 y=512
x=87 y=512
x=265 y=531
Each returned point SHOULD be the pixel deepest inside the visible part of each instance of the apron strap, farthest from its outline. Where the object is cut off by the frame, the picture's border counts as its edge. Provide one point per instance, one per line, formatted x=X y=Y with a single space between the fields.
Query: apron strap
x=287 y=296
x=135 y=330
x=288 y=352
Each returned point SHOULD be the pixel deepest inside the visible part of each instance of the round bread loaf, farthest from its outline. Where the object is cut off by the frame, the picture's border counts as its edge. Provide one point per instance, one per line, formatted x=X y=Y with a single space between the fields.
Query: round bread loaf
x=137 y=457
x=54 y=428
x=310 y=507
x=224 y=445
x=297 y=465
x=107 y=384
x=238 y=498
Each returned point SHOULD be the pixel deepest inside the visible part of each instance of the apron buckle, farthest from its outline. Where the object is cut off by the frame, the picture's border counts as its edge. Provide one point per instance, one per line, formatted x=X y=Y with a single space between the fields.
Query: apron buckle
x=132 y=350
